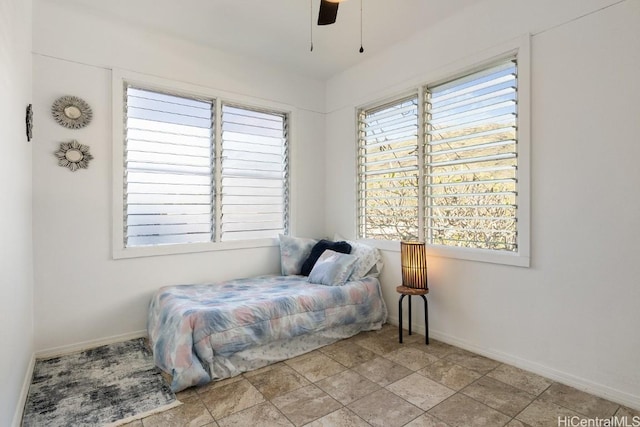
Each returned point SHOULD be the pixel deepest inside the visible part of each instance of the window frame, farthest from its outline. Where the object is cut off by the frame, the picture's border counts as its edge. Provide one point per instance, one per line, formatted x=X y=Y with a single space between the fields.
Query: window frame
x=122 y=77
x=521 y=50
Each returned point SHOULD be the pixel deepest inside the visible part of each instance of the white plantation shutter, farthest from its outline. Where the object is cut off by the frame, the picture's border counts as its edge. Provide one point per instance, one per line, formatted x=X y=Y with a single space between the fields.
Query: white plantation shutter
x=168 y=180
x=254 y=173
x=471 y=159
x=388 y=205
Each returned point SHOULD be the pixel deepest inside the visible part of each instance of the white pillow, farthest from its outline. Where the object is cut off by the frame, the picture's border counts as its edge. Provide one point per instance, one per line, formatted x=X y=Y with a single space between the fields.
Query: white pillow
x=369 y=259
x=293 y=252
x=332 y=268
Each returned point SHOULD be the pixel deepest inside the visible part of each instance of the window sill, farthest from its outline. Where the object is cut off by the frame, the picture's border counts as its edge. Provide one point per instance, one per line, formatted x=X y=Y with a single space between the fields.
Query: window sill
x=480 y=255
x=160 y=250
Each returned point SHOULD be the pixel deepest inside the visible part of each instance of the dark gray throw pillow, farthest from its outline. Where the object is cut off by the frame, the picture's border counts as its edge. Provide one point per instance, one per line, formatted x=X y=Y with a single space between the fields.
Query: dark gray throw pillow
x=318 y=249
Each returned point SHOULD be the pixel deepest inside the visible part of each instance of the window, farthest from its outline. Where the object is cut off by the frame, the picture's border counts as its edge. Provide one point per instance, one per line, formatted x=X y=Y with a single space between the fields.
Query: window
x=197 y=171
x=471 y=162
x=168 y=169
x=445 y=169
x=388 y=171
x=254 y=174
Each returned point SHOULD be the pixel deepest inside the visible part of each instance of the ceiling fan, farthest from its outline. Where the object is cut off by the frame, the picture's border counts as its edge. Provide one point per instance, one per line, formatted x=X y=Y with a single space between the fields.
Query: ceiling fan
x=328 y=11
x=328 y=14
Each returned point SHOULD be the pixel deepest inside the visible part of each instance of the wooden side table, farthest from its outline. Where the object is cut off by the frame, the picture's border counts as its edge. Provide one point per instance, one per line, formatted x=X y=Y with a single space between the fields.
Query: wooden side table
x=404 y=291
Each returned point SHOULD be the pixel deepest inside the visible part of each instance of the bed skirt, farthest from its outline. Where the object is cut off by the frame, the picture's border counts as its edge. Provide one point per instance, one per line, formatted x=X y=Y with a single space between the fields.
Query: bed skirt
x=277 y=351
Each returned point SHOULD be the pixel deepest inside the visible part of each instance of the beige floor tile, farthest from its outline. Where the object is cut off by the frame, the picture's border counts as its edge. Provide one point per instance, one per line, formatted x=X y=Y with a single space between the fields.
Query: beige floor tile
x=277 y=381
x=627 y=412
x=579 y=401
x=435 y=348
x=347 y=386
x=264 y=414
x=462 y=411
x=381 y=344
x=266 y=368
x=348 y=354
x=192 y=413
x=394 y=334
x=382 y=371
x=427 y=420
x=231 y=398
x=450 y=374
x=420 y=391
x=302 y=356
x=306 y=404
x=516 y=423
x=519 y=378
x=498 y=395
x=315 y=366
x=187 y=394
x=217 y=384
x=340 y=418
x=387 y=329
x=384 y=409
x=136 y=423
x=545 y=414
x=411 y=358
x=472 y=361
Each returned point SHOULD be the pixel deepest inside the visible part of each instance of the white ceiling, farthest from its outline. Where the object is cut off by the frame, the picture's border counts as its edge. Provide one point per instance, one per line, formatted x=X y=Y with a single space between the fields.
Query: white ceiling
x=278 y=31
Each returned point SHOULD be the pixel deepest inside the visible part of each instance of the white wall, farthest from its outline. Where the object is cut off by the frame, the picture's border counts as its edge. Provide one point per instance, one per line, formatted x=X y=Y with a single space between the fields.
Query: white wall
x=573 y=315
x=16 y=271
x=81 y=293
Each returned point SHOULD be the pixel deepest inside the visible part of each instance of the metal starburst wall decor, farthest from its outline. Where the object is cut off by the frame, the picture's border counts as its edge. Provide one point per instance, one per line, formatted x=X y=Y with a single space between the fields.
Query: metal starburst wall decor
x=71 y=112
x=73 y=155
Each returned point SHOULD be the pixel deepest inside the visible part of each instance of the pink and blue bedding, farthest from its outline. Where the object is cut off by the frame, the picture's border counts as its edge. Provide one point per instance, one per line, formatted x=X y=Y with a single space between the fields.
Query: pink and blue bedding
x=201 y=333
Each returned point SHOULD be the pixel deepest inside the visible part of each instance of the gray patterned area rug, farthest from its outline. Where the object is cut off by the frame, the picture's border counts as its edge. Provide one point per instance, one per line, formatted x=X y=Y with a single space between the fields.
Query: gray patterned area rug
x=107 y=385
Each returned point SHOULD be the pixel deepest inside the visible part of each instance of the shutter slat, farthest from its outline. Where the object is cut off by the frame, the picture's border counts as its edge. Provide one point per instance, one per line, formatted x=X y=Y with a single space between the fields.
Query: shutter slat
x=463 y=149
x=475 y=123
x=168 y=239
x=486 y=182
x=435 y=139
x=167 y=168
x=399 y=109
x=504 y=91
x=167 y=148
x=392 y=135
x=457 y=172
x=250 y=235
x=168 y=138
x=167 y=219
x=148 y=188
x=473 y=114
x=152 y=177
x=167 y=209
x=471 y=160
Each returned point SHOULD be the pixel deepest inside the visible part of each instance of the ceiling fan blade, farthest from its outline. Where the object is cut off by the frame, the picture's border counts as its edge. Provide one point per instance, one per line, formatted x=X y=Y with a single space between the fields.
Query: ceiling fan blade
x=328 y=12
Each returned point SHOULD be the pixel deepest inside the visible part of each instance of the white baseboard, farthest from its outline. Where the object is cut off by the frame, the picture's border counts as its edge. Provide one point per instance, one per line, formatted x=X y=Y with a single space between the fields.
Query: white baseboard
x=22 y=400
x=85 y=345
x=601 y=390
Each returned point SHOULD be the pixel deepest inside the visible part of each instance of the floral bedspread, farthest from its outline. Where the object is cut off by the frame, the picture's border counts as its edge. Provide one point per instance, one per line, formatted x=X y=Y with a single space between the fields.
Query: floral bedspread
x=190 y=325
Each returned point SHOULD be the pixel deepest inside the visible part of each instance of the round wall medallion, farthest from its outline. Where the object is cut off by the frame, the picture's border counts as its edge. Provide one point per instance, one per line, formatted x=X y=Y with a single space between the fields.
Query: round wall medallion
x=73 y=155
x=71 y=112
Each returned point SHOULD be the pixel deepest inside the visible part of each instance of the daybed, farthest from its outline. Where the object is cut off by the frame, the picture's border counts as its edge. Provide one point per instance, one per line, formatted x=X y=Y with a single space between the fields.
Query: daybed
x=201 y=333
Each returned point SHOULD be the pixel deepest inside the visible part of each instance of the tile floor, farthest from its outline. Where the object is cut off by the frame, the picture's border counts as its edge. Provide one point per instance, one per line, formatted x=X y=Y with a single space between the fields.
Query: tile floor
x=371 y=379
